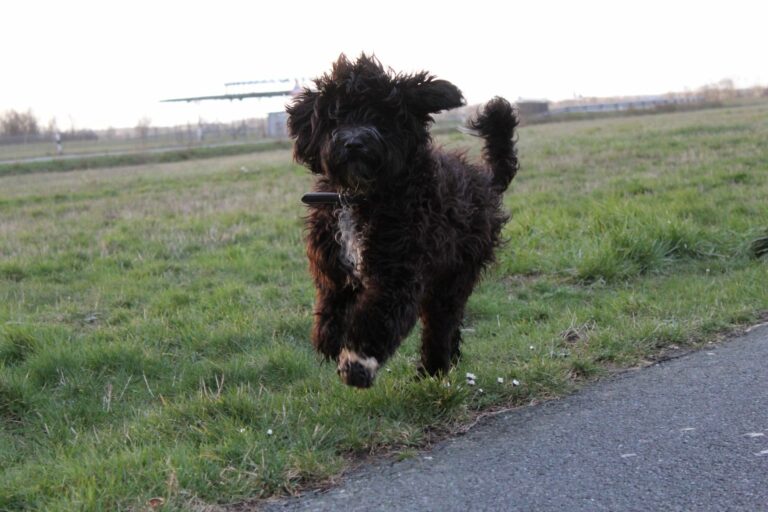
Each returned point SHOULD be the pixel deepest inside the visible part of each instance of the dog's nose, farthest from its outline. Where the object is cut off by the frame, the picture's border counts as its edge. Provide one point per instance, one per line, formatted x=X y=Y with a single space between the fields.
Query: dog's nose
x=354 y=144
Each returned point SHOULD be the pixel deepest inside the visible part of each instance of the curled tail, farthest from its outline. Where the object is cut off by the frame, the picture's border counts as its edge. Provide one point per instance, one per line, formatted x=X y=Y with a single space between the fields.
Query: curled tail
x=496 y=124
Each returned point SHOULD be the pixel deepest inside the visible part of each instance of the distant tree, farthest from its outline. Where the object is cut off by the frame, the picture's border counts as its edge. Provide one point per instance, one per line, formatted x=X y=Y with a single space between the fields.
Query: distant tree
x=52 y=128
x=19 y=123
x=726 y=84
x=142 y=128
x=722 y=90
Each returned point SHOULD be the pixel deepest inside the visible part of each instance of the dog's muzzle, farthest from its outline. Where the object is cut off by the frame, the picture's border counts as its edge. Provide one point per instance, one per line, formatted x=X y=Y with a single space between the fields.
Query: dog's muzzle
x=357 y=141
x=356 y=154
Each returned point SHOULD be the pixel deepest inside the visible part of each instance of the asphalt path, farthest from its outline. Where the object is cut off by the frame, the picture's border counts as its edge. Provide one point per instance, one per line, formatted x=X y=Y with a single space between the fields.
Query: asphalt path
x=688 y=434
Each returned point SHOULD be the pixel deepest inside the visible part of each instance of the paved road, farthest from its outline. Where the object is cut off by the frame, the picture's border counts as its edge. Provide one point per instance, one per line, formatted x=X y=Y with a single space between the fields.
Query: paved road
x=690 y=434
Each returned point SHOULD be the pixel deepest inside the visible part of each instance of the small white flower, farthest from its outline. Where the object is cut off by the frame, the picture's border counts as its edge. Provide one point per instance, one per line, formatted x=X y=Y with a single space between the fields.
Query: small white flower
x=480 y=390
x=532 y=347
x=470 y=382
x=242 y=430
x=471 y=376
x=515 y=382
x=500 y=380
x=269 y=431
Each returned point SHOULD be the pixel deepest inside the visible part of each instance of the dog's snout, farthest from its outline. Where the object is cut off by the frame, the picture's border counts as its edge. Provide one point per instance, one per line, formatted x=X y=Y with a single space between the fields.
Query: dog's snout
x=354 y=143
x=355 y=139
x=353 y=156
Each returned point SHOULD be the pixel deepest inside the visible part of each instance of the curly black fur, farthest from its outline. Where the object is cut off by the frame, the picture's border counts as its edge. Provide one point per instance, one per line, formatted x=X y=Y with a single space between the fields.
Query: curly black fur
x=424 y=226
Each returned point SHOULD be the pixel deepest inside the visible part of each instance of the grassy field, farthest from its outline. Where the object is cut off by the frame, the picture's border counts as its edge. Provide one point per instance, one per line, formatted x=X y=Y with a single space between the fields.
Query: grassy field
x=154 y=319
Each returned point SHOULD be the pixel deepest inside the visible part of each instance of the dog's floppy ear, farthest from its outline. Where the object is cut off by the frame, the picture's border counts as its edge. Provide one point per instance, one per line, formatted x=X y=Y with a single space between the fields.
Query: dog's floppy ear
x=302 y=121
x=430 y=96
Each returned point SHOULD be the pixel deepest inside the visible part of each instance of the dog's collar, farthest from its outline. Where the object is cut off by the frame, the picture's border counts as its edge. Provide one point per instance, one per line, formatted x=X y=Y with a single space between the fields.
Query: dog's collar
x=333 y=198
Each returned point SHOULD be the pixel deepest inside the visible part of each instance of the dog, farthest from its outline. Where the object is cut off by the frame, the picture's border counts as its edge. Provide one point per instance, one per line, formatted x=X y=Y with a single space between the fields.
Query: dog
x=408 y=228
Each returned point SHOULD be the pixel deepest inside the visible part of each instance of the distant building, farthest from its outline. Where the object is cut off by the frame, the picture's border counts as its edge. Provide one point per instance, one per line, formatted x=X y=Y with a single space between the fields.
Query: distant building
x=277 y=125
x=593 y=105
x=532 y=108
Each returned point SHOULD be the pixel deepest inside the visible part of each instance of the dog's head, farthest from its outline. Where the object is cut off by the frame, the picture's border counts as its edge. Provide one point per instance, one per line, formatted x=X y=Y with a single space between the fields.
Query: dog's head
x=363 y=123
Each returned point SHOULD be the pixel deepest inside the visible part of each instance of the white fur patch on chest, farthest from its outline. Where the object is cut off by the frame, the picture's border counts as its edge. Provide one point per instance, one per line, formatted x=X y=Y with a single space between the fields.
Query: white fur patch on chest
x=350 y=238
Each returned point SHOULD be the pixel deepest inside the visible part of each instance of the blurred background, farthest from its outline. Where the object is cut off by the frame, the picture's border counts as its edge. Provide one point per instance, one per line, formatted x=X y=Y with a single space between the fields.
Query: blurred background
x=83 y=76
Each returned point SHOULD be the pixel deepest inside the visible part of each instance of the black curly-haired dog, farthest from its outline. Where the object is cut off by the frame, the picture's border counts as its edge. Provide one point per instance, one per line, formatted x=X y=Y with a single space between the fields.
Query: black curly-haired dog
x=412 y=226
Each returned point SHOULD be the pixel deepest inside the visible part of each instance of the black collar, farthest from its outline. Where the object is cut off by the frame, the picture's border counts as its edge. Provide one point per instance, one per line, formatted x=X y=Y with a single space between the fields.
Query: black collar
x=333 y=198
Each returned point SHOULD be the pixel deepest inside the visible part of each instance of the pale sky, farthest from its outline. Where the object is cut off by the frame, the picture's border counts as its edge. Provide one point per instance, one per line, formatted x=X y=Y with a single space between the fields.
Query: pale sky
x=108 y=63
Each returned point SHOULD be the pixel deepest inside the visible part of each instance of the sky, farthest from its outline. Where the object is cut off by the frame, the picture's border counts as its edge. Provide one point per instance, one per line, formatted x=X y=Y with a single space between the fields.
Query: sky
x=96 y=64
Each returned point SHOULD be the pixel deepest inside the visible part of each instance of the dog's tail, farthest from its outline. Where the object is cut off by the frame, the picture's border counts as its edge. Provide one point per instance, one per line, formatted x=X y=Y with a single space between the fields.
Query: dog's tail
x=496 y=124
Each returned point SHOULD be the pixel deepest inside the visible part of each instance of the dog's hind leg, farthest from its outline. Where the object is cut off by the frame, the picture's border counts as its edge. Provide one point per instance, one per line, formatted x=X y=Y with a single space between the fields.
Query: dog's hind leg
x=441 y=315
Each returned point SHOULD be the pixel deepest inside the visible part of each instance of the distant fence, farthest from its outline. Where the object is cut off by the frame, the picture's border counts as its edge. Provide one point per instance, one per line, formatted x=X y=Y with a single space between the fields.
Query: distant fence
x=140 y=138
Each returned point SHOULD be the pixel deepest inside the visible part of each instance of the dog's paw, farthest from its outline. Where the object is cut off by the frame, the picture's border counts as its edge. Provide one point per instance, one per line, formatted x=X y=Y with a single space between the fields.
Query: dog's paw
x=357 y=370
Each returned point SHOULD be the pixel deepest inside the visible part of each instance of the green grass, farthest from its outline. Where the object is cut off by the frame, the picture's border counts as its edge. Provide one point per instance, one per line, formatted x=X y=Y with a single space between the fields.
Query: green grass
x=154 y=318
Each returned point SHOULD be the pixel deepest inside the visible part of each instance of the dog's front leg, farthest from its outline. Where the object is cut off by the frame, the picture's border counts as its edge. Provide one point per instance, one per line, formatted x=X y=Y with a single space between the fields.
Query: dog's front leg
x=334 y=291
x=382 y=316
x=331 y=306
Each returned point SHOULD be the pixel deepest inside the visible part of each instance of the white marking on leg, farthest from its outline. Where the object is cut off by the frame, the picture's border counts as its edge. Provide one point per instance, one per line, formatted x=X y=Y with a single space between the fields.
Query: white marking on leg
x=347 y=357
